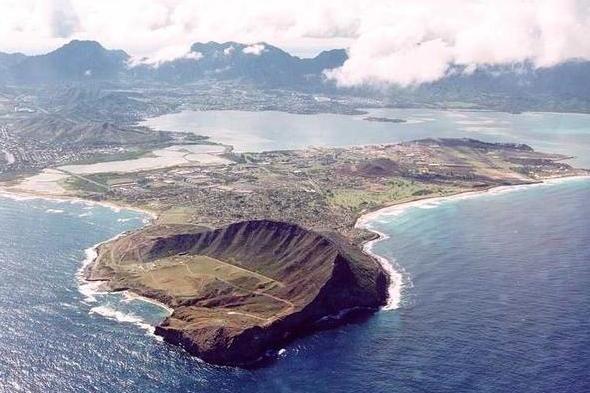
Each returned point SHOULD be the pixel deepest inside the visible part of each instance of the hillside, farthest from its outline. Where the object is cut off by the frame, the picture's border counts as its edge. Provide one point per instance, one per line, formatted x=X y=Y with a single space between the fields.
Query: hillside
x=55 y=129
x=75 y=61
x=511 y=87
x=260 y=63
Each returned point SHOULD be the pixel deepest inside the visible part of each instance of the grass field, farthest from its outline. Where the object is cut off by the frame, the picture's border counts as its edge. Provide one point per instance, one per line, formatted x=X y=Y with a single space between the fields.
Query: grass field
x=176 y=215
x=197 y=276
x=394 y=190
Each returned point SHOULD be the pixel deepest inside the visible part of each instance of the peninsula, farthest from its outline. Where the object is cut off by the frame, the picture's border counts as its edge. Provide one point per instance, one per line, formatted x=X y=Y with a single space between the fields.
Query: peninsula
x=251 y=250
x=384 y=119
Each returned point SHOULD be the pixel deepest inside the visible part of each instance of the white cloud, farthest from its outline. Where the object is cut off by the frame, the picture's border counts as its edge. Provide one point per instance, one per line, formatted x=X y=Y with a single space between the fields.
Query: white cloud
x=229 y=50
x=419 y=42
x=390 y=41
x=194 y=56
x=163 y=56
x=255 y=49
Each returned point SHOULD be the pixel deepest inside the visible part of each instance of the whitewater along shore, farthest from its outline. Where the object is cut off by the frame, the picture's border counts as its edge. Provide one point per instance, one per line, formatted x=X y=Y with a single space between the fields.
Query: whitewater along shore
x=223 y=327
x=241 y=290
x=396 y=282
x=243 y=277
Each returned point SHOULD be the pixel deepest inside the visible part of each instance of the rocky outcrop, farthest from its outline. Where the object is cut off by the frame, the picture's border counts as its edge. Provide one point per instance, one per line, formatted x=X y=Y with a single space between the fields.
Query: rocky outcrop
x=243 y=289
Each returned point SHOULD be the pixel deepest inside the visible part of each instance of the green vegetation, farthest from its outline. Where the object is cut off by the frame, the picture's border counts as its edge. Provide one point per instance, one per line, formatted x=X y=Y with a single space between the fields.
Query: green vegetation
x=119 y=156
x=319 y=188
x=186 y=275
x=176 y=215
x=99 y=182
x=393 y=191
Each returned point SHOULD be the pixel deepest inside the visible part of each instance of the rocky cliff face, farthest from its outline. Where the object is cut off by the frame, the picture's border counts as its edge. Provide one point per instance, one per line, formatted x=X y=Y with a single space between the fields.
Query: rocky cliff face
x=243 y=289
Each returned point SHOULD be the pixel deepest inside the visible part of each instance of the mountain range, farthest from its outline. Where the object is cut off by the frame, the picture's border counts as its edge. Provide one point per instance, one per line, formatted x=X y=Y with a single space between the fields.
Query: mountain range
x=265 y=65
x=260 y=63
x=80 y=61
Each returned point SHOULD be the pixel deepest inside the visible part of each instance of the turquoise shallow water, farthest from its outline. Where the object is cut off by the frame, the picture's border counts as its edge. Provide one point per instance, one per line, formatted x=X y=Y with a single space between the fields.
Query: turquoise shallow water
x=567 y=133
x=496 y=299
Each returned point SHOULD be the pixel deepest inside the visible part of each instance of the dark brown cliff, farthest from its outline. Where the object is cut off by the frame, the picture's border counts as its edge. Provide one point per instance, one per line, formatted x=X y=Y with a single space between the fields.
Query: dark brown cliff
x=243 y=289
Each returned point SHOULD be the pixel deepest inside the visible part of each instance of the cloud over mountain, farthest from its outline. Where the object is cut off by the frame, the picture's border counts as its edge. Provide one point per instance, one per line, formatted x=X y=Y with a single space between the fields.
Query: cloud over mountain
x=422 y=41
x=389 y=41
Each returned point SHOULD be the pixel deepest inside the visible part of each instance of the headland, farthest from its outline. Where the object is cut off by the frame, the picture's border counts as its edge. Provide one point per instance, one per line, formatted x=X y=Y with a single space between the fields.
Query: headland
x=260 y=248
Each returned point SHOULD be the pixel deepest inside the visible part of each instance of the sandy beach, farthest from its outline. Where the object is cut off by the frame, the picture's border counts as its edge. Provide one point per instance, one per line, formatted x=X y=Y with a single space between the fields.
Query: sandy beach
x=89 y=289
x=46 y=182
x=17 y=193
x=397 y=276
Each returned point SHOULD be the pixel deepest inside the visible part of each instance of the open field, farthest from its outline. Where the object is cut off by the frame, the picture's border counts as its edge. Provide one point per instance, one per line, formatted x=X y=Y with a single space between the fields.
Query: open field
x=392 y=191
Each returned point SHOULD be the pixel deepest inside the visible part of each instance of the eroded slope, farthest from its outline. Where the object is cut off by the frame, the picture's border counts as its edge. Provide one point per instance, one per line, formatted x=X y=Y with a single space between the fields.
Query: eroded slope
x=244 y=288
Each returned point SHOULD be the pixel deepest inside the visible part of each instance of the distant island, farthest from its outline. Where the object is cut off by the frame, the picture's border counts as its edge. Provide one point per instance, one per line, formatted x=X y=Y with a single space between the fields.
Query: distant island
x=384 y=119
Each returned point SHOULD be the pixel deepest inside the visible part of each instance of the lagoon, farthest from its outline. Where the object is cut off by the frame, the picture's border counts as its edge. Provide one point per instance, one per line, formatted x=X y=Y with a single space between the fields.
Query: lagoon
x=566 y=133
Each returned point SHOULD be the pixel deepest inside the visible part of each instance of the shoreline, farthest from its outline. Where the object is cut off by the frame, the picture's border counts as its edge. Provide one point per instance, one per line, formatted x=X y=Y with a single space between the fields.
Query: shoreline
x=396 y=274
x=20 y=195
x=89 y=289
x=86 y=287
x=130 y=295
x=364 y=221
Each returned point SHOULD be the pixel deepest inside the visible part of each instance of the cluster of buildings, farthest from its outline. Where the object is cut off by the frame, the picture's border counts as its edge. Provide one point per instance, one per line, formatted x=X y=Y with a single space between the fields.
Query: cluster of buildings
x=24 y=155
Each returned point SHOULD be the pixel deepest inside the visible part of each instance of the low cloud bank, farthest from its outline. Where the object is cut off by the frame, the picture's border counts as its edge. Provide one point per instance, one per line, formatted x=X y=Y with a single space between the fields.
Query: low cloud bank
x=422 y=42
x=389 y=41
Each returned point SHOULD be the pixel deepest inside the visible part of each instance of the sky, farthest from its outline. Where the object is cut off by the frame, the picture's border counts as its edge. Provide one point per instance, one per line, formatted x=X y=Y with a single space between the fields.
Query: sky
x=389 y=41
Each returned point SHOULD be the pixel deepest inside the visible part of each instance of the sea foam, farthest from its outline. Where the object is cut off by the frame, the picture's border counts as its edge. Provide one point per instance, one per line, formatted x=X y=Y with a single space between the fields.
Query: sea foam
x=119 y=316
x=54 y=211
x=398 y=278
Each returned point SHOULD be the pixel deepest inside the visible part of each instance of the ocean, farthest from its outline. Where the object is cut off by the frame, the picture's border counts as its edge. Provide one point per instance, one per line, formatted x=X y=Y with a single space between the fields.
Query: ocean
x=494 y=298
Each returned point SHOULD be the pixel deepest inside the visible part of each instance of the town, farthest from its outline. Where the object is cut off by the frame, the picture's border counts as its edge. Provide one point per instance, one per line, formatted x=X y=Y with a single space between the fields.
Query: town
x=320 y=188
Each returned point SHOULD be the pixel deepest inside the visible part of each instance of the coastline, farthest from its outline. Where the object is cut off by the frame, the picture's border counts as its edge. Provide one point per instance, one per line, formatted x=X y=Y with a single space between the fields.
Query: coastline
x=397 y=277
x=91 y=288
x=21 y=195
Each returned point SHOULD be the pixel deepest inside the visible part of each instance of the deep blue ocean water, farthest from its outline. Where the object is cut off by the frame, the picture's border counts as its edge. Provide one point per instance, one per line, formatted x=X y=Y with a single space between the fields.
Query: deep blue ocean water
x=496 y=299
